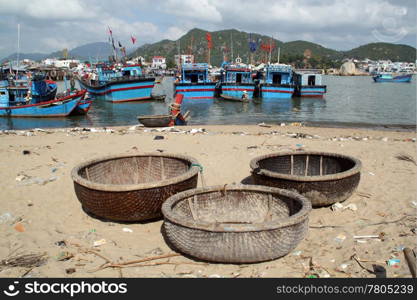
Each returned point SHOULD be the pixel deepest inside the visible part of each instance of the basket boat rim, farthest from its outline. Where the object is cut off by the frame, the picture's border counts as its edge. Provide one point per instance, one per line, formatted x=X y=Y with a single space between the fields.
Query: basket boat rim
x=254 y=165
x=192 y=171
x=176 y=218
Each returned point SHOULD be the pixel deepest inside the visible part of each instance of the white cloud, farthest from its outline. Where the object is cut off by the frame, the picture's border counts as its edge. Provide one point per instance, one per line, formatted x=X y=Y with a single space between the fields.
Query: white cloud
x=50 y=25
x=46 y=9
x=202 y=10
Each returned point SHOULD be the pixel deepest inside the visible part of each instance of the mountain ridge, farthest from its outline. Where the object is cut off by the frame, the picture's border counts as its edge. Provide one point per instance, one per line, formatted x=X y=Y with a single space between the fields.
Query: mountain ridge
x=194 y=41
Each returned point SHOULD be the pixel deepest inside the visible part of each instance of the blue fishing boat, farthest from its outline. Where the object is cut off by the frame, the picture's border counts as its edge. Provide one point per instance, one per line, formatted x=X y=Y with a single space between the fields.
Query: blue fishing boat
x=195 y=82
x=118 y=85
x=390 y=77
x=277 y=82
x=14 y=103
x=42 y=89
x=308 y=85
x=237 y=82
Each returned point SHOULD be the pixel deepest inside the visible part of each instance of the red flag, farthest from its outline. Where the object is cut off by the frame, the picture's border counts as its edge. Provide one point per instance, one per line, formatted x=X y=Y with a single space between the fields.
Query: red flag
x=208 y=38
x=111 y=32
x=133 y=39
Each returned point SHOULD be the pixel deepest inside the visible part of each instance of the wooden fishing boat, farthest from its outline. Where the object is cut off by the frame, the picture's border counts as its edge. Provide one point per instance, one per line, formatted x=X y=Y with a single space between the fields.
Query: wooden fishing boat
x=127 y=84
x=392 y=77
x=278 y=81
x=155 y=120
x=236 y=80
x=234 y=99
x=195 y=82
x=60 y=107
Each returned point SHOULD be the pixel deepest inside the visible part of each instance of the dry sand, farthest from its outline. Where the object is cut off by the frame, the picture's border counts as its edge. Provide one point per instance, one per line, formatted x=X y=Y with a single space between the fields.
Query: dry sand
x=50 y=212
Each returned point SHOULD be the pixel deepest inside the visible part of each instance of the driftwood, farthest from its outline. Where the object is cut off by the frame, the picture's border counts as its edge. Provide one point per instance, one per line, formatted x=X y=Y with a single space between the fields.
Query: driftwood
x=410 y=257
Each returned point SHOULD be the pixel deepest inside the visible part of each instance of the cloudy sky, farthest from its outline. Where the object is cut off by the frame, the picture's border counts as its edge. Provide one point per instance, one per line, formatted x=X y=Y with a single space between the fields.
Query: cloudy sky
x=50 y=25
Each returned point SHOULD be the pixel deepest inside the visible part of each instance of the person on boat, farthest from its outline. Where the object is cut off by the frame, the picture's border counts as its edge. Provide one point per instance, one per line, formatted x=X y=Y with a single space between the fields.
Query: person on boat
x=245 y=95
x=72 y=83
x=177 y=117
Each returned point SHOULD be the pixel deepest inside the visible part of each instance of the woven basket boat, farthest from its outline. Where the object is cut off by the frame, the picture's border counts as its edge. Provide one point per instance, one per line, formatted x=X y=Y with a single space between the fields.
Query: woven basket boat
x=132 y=187
x=236 y=224
x=323 y=178
x=155 y=120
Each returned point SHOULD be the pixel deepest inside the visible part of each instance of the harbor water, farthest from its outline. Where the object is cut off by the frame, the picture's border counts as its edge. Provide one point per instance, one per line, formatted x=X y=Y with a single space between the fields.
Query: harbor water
x=350 y=102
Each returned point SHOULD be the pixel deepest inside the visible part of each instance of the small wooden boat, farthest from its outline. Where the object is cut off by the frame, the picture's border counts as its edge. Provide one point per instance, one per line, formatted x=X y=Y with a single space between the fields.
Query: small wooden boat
x=234 y=99
x=158 y=97
x=60 y=107
x=155 y=120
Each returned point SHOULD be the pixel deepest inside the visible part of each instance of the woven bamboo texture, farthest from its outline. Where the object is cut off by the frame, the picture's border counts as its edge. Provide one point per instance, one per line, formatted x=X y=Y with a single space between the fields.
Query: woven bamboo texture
x=132 y=188
x=236 y=224
x=155 y=120
x=323 y=178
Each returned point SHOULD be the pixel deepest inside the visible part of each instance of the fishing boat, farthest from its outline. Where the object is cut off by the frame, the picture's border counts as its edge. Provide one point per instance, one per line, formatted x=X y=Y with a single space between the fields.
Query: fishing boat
x=392 y=77
x=118 y=85
x=42 y=89
x=277 y=82
x=195 y=82
x=308 y=84
x=237 y=82
x=14 y=104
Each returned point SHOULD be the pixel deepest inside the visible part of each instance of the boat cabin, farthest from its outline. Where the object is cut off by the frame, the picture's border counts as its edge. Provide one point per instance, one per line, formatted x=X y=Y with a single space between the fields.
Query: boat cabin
x=278 y=74
x=132 y=71
x=307 y=79
x=237 y=74
x=194 y=73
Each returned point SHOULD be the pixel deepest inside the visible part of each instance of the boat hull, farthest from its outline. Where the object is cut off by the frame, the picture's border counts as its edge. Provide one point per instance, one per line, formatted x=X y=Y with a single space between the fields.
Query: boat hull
x=83 y=107
x=401 y=78
x=196 y=91
x=121 y=90
x=317 y=91
x=276 y=90
x=56 y=108
x=235 y=90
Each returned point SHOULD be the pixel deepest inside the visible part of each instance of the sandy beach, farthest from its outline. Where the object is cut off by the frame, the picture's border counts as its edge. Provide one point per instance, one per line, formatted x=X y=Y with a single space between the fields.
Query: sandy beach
x=40 y=212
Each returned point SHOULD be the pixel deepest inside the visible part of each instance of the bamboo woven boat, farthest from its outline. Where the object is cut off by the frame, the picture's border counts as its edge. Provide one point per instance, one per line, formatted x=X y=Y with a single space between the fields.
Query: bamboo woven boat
x=155 y=120
x=323 y=178
x=132 y=187
x=233 y=99
x=236 y=224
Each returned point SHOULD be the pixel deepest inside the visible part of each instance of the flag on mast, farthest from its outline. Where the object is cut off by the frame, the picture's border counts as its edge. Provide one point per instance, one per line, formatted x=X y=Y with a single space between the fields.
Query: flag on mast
x=133 y=39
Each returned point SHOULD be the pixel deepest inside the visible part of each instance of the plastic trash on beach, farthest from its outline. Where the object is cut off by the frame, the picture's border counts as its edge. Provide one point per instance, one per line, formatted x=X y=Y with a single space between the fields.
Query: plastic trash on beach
x=340 y=238
x=99 y=243
x=6 y=218
x=197 y=130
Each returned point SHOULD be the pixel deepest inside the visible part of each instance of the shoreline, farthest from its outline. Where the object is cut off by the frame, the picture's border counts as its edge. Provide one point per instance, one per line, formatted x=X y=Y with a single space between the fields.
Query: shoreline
x=328 y=125
x=37 y=192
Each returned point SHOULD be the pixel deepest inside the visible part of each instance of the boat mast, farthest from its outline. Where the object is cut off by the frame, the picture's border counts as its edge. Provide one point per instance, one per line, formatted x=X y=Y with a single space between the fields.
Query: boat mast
x=18 y=49
x=270 y=50
x=279 y=50
x=231 y=46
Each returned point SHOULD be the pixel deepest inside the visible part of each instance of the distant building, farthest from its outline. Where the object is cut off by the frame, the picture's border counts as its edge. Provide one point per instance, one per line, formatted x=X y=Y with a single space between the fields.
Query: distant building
x=184 y=59
x=159 y=62
x=66 y=63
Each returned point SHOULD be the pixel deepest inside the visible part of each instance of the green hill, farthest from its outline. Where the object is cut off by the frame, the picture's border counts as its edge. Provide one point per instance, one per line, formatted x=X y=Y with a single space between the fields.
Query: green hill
x=376 y=51
x=194 y=42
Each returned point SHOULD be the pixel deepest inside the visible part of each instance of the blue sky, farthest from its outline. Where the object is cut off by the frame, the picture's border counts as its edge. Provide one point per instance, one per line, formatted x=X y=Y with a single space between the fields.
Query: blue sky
x=51 y=25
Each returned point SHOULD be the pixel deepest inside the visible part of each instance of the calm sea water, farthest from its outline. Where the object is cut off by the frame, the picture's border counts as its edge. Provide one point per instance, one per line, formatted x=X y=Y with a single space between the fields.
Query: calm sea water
x=350 y=101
